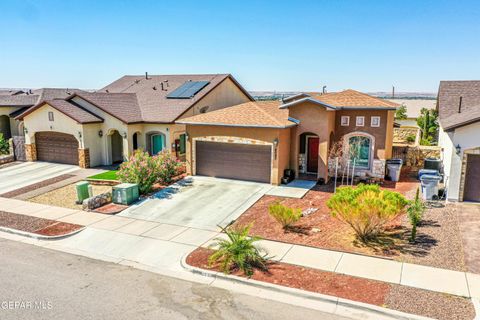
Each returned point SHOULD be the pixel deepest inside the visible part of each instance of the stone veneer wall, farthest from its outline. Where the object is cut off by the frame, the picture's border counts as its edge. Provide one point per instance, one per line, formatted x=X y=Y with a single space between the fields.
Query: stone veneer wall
x=400 y=135
x=31 y=152
x=377 y=171
x=416 y=155
x=84 y=158
x=464 y=170
x=302 y=163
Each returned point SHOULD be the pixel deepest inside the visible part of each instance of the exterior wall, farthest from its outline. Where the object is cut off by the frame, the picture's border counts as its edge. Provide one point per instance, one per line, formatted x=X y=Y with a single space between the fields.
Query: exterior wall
x=319 y=121
x=226 y=94
x=242 y=135
x=383 y=134
x=454 y=164
x=38 y=122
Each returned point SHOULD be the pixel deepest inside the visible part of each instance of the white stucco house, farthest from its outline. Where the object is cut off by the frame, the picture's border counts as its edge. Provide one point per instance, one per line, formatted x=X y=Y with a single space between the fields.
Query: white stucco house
x=104 y=127
x=459 y=136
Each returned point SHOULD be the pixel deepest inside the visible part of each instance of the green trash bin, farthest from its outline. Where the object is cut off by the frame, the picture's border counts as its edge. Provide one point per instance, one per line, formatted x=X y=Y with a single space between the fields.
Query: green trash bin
x=82 y=191
x=125 y=193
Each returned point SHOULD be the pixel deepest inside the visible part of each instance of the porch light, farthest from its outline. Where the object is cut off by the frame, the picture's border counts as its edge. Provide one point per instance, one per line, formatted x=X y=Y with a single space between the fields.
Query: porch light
x=458 y=149
x=275 y=142
x=25 y=130
x=186 y=135
x=100 y=133
x=80 y=134
x=124 y=135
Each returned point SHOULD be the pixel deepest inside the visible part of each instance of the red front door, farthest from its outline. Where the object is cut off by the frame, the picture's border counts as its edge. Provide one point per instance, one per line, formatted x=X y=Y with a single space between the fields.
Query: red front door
x=312 y=160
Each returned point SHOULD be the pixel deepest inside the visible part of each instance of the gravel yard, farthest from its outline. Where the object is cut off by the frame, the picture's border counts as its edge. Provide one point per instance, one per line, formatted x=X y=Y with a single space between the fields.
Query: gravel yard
x=36 y=225
x=407 y=299
x=438 y=243
x=66 y=196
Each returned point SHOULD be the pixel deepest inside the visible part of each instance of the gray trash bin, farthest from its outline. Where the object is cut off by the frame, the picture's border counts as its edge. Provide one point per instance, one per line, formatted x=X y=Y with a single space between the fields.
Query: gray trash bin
x=394 y=167
x=430 y=186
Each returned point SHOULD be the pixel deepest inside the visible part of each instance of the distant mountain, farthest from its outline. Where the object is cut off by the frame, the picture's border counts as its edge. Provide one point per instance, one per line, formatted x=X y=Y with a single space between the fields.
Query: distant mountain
x=275 y=95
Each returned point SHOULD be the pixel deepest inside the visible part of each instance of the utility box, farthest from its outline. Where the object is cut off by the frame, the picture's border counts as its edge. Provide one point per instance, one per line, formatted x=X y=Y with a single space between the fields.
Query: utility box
x=82 y=191
x=125 y=193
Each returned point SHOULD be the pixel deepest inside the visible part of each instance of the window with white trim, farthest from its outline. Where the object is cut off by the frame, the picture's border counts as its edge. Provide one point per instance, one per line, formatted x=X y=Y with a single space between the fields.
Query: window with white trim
x=360 y=121
x=345 y=121
x=375 y=121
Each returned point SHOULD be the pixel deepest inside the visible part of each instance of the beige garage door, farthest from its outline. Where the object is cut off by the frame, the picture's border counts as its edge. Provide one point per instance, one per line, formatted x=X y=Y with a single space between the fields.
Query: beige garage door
x=233 y=161
x=56 y=147
x=472 y=178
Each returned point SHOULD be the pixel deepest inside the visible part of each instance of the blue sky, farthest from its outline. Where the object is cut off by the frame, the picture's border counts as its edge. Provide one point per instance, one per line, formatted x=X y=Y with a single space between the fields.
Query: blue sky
x=266 y=45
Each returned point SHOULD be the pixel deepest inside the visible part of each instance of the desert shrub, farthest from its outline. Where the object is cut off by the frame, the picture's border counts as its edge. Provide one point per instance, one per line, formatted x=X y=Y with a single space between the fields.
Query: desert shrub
x=411 y=138
x=238 y=252
x=141 y=169
x=167 y=166
x=284 y=215
x=415 y=212
x=366 y=208
x=4 y=145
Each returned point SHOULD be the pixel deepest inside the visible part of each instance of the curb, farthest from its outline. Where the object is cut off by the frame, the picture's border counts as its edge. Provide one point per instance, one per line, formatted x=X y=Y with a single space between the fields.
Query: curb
x=39 y=236
x=354 y=306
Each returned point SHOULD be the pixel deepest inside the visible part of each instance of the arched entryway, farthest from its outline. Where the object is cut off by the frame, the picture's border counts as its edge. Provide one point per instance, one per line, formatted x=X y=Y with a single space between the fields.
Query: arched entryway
x=156 y=142
x=136 y=138
x=309 y=143
x=5 y=126
x=116 y=147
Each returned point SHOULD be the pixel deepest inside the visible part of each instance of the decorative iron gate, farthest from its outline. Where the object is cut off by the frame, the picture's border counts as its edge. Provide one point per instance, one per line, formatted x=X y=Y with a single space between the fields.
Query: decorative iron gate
x=400 y=153
x=19 y=148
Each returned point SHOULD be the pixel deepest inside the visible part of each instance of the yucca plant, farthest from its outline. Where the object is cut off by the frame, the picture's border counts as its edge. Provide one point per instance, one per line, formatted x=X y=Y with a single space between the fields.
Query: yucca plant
x=366 y=208
x=415 y=212
x=238 y=252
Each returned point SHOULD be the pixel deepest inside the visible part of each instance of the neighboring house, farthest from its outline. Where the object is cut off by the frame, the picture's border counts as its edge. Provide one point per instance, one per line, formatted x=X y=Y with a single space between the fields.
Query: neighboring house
x=104 y=127
x=409 y=127
x=258 y=140
x=14 y=102
x=459 y=136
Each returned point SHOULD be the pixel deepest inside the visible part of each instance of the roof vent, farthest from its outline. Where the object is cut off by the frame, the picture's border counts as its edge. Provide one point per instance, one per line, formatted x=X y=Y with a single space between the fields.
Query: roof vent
x=324 y=89
x=460 y=105
x=146 y=75
x=154 y=88
x=107 y=91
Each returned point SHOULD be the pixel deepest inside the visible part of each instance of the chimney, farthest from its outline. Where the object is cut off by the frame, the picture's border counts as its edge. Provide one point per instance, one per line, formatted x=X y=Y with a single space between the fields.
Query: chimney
x=460 y=104
x=146 y=75
x=161 y=85
x=324 y=89
x=393 y=92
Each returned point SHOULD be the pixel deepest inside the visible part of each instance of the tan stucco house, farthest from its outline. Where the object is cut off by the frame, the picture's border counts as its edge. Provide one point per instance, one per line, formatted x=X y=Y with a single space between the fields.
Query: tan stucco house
x=258 y=140
x=104 y=127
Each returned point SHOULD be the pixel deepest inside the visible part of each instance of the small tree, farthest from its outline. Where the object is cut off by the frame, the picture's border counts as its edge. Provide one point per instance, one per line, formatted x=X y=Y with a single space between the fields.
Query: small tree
x=415 y=212
x=366 y=208
x=238 y=252
x=4 y=145
x=428 y=123
x=284 y=215
x=401 y=113
x=141 y=169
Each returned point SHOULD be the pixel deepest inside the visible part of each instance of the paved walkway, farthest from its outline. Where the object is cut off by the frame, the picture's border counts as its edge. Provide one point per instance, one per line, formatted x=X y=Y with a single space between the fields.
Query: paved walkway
x=163 y=245
x=27 y=173
x=469 y=224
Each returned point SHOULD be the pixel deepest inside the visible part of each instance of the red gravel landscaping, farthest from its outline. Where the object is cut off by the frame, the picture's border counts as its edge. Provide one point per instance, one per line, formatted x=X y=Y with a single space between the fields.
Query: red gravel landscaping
x=111 y=208
x=438 y=240
x=36 y=225
x=422 y=302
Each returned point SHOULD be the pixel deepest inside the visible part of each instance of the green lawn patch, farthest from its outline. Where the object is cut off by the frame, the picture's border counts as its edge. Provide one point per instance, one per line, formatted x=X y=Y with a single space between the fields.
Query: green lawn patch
x=107 y=175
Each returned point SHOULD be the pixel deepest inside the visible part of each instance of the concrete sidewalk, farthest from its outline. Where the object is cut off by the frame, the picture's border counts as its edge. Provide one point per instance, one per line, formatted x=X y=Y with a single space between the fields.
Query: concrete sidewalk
x=162 y=245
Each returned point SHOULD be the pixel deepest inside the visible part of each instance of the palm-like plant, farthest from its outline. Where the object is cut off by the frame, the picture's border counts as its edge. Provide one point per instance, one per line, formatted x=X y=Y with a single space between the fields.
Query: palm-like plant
x=238 y=252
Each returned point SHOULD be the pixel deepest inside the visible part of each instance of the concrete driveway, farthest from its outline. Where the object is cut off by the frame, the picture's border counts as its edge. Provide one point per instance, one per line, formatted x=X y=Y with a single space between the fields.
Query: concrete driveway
x=27 y=173
x=199 y=202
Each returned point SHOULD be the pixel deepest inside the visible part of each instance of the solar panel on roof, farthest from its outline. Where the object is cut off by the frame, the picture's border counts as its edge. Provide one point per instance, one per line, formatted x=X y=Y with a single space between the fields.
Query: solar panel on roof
x=187 y=90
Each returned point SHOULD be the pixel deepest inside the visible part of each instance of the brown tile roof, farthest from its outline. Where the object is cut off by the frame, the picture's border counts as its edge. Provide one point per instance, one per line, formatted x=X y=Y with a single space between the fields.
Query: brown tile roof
x=20 y=100
x=152 y=101
x=353 y=99
x=265 y=114
x=71 y=110
x=123 y=106
x=449 y=94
